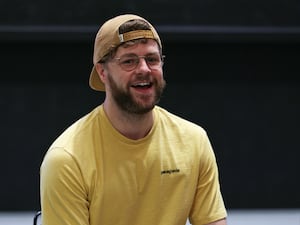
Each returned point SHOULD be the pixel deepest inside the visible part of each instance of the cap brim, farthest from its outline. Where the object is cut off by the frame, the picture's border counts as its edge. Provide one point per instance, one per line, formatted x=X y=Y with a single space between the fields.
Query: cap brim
x=95 y=81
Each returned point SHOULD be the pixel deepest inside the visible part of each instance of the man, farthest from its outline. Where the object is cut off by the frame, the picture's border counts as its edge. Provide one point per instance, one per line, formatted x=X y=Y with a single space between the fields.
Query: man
x=130 y=162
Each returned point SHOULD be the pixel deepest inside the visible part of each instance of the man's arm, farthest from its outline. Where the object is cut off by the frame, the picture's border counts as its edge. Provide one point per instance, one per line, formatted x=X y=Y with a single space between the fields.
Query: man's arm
x=219 y=222
x=63 y=196
x=208 y=202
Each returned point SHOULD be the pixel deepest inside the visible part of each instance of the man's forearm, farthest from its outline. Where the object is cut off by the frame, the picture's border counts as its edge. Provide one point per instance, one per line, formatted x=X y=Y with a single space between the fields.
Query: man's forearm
x=219 y=222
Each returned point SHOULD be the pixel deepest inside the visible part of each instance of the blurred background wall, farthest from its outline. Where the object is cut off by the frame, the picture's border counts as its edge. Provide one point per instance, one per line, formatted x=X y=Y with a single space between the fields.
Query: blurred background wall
x=231 y=66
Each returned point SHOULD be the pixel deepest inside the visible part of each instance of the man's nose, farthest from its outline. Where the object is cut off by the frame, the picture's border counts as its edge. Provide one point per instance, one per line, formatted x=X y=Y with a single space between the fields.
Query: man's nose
x=142 y=65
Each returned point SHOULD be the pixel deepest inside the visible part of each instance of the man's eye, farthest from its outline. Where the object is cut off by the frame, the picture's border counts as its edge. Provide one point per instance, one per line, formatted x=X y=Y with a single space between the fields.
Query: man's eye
x=152 y=59
x=128 y=61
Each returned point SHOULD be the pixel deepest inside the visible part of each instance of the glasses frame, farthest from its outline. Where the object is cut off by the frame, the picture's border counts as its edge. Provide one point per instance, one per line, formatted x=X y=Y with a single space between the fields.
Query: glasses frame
x=135 y=65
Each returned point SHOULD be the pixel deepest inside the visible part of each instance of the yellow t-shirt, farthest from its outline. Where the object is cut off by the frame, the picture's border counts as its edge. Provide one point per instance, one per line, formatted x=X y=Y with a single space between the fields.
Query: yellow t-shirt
x=93 y=175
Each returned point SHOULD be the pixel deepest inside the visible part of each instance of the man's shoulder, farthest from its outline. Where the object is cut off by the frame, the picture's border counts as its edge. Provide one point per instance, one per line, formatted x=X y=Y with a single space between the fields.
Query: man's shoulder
x=79 y=129
x=175 y=120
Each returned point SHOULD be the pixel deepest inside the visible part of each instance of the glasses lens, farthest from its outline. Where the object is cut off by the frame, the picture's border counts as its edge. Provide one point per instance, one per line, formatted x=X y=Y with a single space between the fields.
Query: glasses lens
x=153 y=61
x=128 y=63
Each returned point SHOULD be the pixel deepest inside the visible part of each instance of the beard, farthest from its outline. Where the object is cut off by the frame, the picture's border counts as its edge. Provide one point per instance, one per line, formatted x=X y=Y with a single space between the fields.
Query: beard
x=126 y=101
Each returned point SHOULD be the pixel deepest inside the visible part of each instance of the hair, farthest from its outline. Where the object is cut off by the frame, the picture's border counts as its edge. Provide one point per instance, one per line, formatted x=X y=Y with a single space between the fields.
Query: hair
x=131 y=25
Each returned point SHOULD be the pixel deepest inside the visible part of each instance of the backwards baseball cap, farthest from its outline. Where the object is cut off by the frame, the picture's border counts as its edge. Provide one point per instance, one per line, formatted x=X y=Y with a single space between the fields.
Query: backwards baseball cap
x=108 y=38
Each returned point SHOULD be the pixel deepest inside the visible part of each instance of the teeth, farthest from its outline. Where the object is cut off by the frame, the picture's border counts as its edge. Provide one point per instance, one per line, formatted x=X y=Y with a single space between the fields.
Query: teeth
x=142 y=84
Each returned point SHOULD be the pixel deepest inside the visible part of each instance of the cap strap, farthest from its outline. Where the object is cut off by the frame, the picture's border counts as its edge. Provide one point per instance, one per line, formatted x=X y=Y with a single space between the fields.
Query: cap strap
x=136 y=34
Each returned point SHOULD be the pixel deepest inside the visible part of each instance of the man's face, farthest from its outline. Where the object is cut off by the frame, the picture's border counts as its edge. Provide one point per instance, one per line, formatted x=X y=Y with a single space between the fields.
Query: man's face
x=138 y=90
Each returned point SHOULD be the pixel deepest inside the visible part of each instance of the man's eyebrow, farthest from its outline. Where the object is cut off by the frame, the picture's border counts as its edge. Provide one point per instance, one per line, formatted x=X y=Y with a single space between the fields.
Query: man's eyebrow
x=128 y=54
x=133 y=54
x=153 y=53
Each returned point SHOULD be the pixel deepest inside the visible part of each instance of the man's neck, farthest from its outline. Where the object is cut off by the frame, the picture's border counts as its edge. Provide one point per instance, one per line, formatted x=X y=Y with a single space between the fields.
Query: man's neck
x=132 y=126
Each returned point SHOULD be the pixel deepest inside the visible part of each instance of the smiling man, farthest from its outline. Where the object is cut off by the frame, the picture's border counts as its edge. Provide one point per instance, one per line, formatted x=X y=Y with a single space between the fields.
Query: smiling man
x=129 y=161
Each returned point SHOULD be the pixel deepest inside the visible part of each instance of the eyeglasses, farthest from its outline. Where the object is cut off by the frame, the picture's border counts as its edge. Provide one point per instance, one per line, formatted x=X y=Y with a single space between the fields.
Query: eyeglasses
x=130 y=62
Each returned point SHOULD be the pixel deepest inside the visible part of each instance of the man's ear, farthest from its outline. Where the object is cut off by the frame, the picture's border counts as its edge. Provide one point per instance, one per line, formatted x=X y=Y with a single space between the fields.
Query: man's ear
x=100 y=68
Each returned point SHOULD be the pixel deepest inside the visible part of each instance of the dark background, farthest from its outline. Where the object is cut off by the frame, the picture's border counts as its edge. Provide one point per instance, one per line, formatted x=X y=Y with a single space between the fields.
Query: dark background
x=231 y=66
